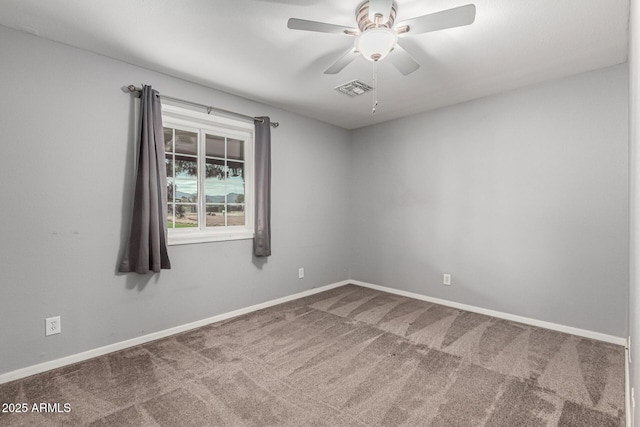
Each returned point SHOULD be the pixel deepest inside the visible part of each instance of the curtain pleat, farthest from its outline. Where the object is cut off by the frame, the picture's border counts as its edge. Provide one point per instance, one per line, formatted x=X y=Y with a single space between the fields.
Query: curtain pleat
x=262 y=237
x=146 y=248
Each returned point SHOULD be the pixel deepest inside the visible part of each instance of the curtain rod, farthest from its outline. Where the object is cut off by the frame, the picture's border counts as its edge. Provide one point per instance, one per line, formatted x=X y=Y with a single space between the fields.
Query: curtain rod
x=209 y=108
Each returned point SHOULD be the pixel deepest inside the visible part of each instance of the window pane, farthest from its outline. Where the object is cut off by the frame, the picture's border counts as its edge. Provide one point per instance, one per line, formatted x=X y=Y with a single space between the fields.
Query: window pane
x=215 y=169
x=235 y=215
x=215 y=146
x=170 y=221
x=186 y=142
x=235 y=182
x=186 y=179
x=171 y=187
x=168 y=139
x=215 y=183
x=235 y=149
x=168 y=160
x=215 y=215
x=186 y=216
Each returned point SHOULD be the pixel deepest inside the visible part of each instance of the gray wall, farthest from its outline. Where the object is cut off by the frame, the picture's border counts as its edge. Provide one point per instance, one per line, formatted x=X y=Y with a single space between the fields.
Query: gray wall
x=522 y=197
x=65 y=173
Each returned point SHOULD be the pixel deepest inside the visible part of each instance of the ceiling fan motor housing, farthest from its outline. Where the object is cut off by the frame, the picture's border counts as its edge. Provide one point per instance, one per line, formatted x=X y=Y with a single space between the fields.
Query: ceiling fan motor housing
x=365 y=23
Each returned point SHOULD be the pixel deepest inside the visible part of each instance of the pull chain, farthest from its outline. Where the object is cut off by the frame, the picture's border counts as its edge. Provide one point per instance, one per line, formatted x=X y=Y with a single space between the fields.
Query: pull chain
x=375 y=86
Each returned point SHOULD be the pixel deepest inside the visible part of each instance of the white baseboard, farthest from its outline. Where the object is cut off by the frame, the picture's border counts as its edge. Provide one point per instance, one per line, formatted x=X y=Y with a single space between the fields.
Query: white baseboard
x=526 y=320
x=101 y=351
x=79 y=357
x=627 y=388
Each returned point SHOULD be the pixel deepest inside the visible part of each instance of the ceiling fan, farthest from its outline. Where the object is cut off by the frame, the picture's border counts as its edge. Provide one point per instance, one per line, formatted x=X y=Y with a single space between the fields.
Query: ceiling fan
x=376 y=37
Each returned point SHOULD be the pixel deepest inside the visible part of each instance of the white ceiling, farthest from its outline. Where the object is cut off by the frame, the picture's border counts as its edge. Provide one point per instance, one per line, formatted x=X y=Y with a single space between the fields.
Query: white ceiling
x=244 y=47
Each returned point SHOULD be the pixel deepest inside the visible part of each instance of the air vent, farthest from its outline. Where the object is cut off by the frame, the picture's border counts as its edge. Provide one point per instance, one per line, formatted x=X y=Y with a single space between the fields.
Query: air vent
x=354 y=88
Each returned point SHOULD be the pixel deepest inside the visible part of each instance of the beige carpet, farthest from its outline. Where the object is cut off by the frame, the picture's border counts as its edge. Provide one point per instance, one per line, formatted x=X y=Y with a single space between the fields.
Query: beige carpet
x=350 y=356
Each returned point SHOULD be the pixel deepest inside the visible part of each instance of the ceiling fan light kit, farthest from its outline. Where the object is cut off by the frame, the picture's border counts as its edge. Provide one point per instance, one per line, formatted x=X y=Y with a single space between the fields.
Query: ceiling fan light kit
x=376 y=37
x=375 y=44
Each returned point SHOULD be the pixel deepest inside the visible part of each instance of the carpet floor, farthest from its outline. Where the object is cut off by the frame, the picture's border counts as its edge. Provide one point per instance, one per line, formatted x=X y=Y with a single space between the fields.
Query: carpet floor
x=350 y=356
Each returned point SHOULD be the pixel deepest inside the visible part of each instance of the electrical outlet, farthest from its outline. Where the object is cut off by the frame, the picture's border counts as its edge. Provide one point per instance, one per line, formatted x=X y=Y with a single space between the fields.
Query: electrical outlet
x=300 y=273
x=446 y=279
x=52 y=326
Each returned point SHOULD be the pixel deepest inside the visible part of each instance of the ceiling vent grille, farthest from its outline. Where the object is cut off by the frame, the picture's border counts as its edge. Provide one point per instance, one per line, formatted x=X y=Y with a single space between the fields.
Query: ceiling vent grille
x=354 y=88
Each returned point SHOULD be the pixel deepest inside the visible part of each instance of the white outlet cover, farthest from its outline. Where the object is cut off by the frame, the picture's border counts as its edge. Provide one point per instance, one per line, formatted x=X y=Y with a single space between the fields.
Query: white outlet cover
x=52 y=326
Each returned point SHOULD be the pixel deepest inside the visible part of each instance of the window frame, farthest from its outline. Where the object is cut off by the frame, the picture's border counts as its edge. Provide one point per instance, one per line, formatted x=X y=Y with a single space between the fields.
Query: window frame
x=194 y=121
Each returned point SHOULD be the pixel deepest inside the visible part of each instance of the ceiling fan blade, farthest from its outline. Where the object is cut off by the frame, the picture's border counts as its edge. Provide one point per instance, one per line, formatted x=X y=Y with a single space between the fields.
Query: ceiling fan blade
x=456 y=17
x=401 y=59
x=320 y=27
x=344 y=60
x=383 y=7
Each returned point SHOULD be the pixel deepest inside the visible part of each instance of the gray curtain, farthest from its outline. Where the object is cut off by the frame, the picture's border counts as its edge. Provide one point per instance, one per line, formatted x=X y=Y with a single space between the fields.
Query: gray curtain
x=262 y=238
x=147 y=245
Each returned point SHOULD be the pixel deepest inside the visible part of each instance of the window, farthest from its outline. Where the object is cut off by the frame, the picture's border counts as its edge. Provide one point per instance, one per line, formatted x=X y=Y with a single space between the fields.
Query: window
x=209 y=164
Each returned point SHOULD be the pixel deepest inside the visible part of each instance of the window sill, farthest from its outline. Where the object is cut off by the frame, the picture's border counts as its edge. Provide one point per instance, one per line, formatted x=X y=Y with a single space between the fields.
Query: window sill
x=187 y=238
